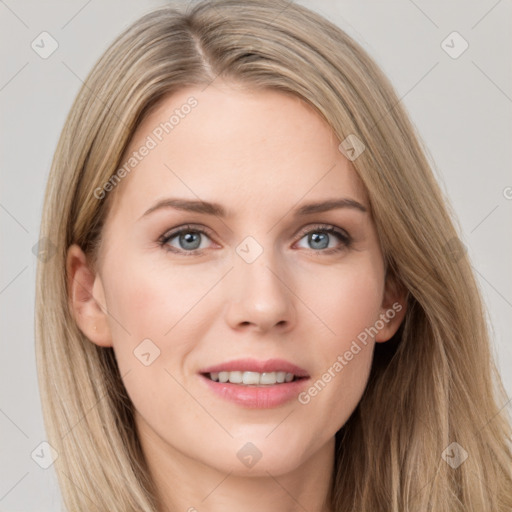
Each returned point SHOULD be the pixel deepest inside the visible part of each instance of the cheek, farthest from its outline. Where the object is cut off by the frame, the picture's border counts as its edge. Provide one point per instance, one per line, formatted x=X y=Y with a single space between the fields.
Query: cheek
x=154 y=327
x=348 y=302
x=151 y=299
x=346 y=299
x=157 y=310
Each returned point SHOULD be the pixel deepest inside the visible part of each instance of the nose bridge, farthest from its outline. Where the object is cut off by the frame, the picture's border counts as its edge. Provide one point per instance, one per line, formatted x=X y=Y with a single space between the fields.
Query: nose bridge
x=256 y=265
x=257 y=292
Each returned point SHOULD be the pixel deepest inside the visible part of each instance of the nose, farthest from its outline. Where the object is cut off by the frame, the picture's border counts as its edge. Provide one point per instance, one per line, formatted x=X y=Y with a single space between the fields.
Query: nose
x=260 y=296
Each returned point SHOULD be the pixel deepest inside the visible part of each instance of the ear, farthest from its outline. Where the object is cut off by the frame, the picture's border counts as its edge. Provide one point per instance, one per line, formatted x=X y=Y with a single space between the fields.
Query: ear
x=394 y=306
x=87 y=298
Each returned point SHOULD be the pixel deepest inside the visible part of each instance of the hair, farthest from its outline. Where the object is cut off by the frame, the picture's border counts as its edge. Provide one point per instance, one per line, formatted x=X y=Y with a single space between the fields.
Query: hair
x=432 y=384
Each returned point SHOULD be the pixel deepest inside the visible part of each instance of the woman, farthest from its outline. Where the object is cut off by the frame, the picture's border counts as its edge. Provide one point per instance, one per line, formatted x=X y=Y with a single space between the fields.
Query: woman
x=258 y=298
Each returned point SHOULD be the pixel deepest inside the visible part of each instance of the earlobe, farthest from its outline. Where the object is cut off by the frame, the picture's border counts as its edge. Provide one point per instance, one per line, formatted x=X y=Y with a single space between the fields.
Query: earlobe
x=87 y=298
x=393 y=309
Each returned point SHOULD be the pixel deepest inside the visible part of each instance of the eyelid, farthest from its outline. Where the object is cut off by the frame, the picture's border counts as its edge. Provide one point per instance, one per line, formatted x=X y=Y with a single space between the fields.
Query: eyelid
x=191 y=227
x=323 y=227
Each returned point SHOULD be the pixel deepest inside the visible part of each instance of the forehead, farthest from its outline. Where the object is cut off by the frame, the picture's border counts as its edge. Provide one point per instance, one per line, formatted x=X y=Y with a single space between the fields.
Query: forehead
x=248 y=149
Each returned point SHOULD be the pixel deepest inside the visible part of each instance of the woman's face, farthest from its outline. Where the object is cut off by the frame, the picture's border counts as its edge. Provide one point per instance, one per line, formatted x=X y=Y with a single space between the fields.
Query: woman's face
x=258 y=275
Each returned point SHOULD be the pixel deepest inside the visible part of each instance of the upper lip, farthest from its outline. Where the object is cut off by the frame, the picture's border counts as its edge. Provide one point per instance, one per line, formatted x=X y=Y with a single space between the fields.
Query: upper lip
x=253 y=365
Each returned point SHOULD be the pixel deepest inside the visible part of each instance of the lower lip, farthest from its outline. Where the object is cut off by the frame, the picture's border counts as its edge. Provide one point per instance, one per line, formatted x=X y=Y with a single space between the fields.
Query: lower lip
x=257 y=397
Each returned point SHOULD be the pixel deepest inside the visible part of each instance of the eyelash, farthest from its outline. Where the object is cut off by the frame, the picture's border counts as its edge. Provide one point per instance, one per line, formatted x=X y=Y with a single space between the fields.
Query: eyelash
x=324 y=228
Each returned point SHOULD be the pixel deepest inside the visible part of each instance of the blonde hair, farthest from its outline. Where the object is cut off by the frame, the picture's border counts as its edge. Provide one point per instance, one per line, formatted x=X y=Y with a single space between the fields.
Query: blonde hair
x=433 y=384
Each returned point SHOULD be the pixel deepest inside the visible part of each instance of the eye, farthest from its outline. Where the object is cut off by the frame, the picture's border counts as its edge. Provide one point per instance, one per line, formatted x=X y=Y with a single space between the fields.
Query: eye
x=188 y=240
x=322 y=237
x=185 y=240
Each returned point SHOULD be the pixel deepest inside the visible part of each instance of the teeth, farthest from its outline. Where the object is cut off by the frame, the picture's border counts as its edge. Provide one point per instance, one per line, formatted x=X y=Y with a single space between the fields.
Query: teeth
x=252 y=378
x=234 y=377
x=266 y=378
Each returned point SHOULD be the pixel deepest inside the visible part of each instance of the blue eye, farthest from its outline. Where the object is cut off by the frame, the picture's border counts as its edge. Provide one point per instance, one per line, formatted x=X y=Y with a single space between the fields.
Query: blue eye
x=189 y=239
x=320 y=238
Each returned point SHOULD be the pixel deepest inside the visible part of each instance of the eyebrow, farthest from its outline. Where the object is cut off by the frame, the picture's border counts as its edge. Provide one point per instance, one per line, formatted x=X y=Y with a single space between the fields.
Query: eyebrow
x=216 y=209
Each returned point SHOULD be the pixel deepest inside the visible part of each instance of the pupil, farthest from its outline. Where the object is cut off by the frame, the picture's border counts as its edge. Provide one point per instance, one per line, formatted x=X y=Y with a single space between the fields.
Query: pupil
x=190 y=240
x=320 y=239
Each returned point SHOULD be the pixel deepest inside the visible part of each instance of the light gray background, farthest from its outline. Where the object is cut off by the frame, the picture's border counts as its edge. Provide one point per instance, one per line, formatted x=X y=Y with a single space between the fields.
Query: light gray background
x=462 y=108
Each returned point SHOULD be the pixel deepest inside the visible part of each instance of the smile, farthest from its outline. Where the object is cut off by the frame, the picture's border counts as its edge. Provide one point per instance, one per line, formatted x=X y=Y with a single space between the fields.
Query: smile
x=247 y=378
x=255 y=384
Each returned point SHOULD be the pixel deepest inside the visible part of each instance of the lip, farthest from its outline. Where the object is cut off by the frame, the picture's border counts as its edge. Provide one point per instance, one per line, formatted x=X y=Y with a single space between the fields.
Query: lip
x=253 y=365
x=256 y=397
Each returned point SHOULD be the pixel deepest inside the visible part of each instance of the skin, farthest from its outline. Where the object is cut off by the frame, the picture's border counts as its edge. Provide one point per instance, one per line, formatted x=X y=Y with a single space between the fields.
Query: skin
x=261 y=155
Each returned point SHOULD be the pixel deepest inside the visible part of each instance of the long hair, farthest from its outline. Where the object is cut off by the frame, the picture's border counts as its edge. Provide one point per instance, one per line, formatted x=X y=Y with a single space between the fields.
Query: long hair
x=432 y=385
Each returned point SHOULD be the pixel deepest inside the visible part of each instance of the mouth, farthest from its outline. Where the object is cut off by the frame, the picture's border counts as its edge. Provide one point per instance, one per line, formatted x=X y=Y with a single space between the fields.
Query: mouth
x=252 y=372
x=248 y=378
x=254 y=384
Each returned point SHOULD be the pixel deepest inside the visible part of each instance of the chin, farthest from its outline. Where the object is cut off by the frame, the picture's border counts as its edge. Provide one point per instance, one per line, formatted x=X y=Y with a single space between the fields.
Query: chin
x=275 y=464
x=260 y=455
